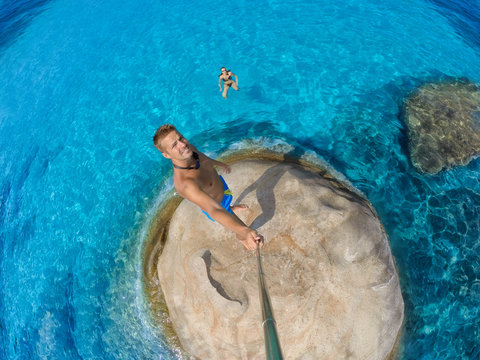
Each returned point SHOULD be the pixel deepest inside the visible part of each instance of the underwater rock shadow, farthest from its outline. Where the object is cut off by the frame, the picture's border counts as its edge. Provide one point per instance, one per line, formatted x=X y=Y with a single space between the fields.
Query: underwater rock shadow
x=15 y=17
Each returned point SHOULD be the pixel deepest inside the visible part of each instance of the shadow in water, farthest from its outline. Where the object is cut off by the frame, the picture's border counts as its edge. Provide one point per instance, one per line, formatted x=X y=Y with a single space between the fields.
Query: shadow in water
x=15 y=16
x=464 y=15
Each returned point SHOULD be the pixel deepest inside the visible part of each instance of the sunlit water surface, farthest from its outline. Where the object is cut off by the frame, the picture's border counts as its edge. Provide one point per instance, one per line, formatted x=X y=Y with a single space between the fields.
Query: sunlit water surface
x=84 y=84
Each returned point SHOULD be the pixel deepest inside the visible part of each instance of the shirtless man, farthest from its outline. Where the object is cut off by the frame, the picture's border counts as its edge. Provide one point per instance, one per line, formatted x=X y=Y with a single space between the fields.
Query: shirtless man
x=226 y=76
x=196 y=179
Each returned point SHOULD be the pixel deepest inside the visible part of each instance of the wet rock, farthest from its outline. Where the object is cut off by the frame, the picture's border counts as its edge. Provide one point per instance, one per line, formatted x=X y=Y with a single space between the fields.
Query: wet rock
x=327 y=262
x=443 y=125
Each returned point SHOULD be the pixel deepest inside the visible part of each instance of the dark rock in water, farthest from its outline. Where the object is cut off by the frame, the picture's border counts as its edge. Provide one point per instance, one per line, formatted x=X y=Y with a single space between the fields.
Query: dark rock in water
x=444 y=125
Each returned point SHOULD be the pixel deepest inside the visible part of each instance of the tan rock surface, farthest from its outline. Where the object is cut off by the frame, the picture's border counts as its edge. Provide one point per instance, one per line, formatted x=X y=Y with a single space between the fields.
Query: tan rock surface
x=327 y=263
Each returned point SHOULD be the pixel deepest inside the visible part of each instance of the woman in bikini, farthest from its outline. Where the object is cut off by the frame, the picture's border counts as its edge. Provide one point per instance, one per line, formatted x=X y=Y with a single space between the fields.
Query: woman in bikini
x=228 y=82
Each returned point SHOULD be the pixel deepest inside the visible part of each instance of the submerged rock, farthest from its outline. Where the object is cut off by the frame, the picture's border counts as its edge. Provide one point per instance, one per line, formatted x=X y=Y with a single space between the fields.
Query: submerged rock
x=327 y=262
x=444 y=125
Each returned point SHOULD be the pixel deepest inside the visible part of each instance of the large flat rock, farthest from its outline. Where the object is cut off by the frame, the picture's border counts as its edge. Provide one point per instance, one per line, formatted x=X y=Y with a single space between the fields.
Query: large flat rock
x=327 y=262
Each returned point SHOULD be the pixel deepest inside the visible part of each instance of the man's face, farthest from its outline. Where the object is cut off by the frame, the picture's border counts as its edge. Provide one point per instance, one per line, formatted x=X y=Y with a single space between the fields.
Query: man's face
x=176 y=147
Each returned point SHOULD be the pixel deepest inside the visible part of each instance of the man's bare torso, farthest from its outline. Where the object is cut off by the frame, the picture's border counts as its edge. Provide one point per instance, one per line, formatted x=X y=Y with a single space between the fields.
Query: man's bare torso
x=206 y=177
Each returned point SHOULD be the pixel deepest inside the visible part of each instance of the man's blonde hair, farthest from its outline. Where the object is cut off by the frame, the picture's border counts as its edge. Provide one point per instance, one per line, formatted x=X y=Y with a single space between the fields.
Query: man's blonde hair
x=162 y=131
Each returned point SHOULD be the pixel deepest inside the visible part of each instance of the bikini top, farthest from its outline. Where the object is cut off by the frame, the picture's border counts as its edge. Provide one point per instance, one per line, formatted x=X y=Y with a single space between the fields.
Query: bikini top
x=195 y=167
x=229 y=76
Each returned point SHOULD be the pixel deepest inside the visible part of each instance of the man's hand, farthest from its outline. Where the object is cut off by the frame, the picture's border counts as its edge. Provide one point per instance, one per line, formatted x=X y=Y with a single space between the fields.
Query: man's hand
x=227 y=168
x=250 y=238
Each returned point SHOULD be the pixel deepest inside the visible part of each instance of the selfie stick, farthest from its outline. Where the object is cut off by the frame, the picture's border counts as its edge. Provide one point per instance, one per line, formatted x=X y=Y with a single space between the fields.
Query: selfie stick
x=272 y=345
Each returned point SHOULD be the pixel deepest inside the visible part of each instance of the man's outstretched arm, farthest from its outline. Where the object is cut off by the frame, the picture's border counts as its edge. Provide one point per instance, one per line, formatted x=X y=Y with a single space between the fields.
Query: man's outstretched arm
x=248 y=236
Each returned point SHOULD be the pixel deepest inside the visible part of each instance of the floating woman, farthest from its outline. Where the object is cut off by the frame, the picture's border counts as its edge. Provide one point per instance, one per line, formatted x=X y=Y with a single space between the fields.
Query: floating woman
x=228 y=82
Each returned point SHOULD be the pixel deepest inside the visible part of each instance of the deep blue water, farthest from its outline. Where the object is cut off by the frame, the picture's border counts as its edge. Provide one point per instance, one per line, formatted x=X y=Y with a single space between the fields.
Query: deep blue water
x=84 y=85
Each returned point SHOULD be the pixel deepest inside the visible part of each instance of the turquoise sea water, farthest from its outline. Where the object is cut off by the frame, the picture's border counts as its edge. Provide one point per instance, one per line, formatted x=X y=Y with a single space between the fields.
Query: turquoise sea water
x=85 y=84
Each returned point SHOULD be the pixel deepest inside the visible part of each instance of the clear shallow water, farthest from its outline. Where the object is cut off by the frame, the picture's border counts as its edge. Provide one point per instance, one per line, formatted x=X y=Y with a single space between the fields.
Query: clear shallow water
x=83 y=86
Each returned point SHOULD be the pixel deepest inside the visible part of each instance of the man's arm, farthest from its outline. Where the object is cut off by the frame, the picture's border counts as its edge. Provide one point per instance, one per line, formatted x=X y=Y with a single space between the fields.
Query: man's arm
x=249 y=237
x=224 y=166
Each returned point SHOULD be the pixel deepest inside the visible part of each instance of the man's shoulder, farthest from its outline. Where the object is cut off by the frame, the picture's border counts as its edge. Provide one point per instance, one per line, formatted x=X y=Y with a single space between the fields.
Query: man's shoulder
x=184 y=184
